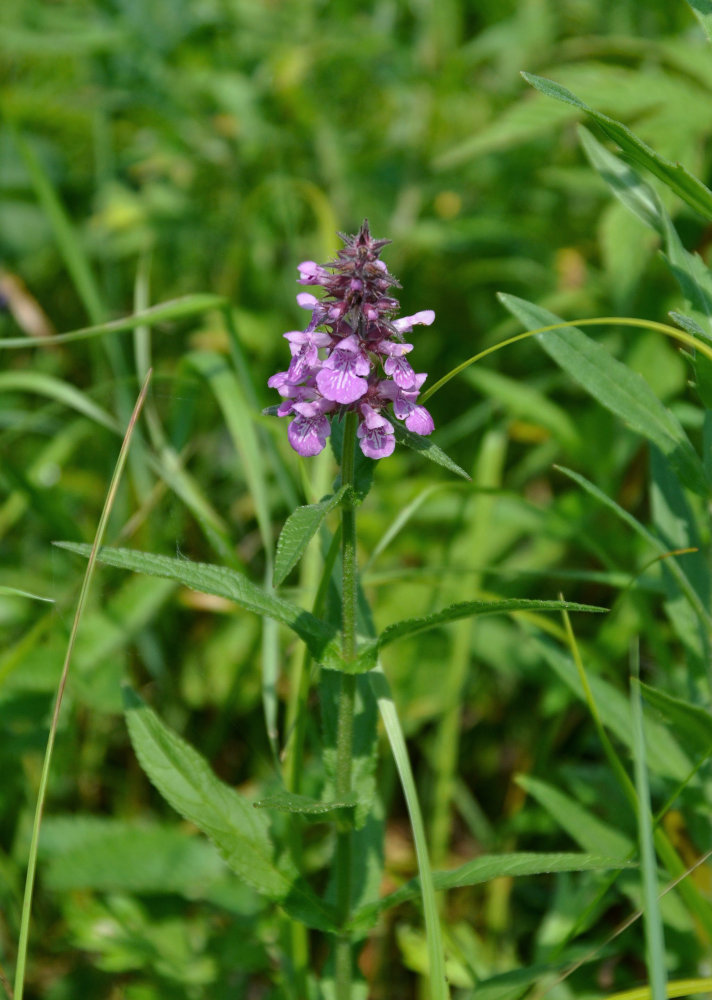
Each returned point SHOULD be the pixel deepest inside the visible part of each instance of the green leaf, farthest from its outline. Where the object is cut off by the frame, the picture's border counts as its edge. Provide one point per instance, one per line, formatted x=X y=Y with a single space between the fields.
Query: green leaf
x=239 y=831
x=689 y=270
x=320 y=638
x=652 y=919
x=687 y=323
x=615 y=386
x=662 y=550
x=290 y=802
x=676 y=525
x=702 y=9
x=60 y=392
x=677 y=178
x=486 y=868
x=426 y=889
x=665 y=755
x=472 y=609
x=239 y=422
x=692 y=724
x=626 y=184
x=14 y=592
x=299 y=528
x=590 y=832
x=527 y=403
x=428 y=449
x=106 y=855
x=164 y=312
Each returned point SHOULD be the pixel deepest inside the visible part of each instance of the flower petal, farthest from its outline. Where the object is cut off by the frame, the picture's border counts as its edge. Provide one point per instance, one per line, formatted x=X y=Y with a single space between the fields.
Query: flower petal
x=307 y=435
x=423 y=318
x=419 y=421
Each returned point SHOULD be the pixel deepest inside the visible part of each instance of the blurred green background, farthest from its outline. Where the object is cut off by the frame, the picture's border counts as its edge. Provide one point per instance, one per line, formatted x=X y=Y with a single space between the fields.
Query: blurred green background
x=151 y=149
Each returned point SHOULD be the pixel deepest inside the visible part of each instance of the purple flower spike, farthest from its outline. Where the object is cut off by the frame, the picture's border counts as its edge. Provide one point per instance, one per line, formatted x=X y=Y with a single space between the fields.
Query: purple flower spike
x=353 y=339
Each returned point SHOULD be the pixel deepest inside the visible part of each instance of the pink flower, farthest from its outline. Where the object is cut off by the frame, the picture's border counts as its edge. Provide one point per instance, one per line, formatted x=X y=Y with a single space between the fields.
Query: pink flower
x=342 y=374
x=309 y=430
x=375 y=434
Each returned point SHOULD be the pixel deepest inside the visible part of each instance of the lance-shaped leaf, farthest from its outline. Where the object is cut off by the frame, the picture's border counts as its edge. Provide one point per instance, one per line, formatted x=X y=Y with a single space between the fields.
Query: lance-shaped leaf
x=428 y=449
x=313 y=810
x=677 y=178
x=299 y=529
x=164 y=312
x=320 y=638
x=484 y=869
x=702 y=10
x=615 y=386
x=472 y=609
x=240 y=832
x=689 y=269
x=692 y=723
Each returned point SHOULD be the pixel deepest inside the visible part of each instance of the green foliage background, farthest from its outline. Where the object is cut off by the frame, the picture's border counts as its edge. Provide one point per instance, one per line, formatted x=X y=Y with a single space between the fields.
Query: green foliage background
x=209 y=146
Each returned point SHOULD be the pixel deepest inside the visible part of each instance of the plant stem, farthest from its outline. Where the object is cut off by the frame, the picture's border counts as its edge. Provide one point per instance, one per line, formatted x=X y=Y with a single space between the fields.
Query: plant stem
x=344 y=733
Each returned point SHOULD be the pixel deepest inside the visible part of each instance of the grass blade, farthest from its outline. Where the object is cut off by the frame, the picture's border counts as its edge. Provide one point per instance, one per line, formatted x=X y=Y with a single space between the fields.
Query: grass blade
x=662 y=550
x=65 y=235
x=674 y=175
x=44 y=778
x=436 y=958
x=651 y=908
x=60 y=392
x=615 y=386
x=164 y=312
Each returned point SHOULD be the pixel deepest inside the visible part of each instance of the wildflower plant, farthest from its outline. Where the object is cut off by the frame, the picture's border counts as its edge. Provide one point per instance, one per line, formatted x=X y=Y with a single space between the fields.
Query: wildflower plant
x=307 y=832
x=350 y=377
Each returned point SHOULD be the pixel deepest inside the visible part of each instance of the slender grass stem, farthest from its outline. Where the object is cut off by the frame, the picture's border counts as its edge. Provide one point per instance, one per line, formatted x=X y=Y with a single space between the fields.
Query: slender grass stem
x=44 y=778
x=345 y=725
